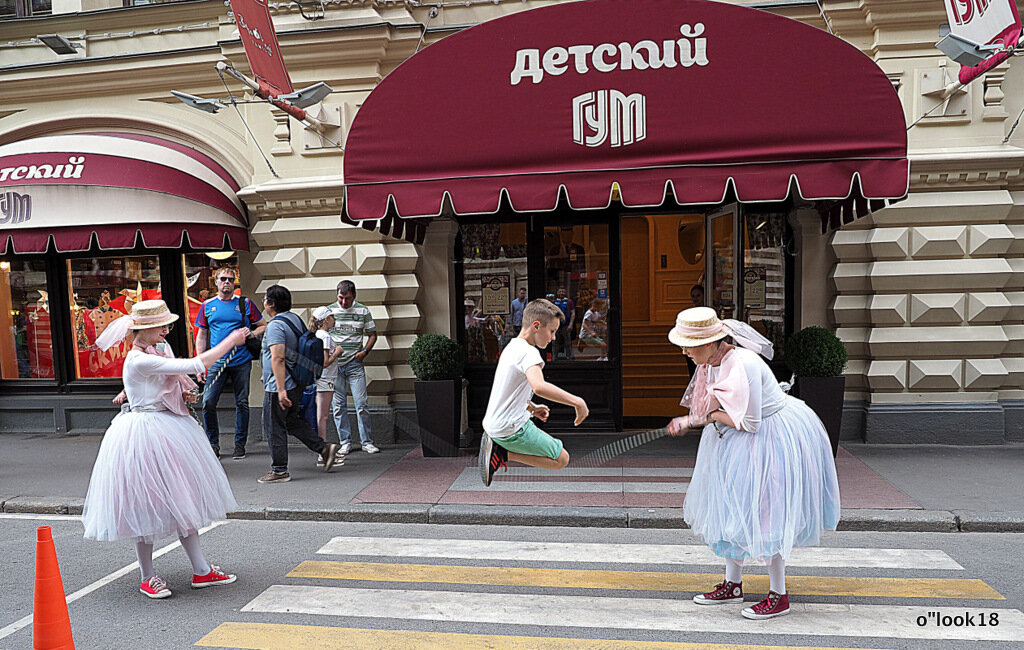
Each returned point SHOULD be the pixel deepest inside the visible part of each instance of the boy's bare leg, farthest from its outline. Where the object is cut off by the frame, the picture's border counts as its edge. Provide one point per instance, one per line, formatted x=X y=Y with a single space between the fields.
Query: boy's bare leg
x=541 y=461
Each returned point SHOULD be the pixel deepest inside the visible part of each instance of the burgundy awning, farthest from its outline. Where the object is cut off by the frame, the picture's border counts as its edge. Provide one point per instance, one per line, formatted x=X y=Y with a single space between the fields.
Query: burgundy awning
x=116 y=187
x=662 y=99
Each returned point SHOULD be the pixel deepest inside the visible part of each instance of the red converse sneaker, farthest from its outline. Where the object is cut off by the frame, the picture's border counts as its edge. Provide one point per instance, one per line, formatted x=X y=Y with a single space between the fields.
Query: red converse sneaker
x=725 y=592
x=155 y=587
x=772 y=606
x=214 y=577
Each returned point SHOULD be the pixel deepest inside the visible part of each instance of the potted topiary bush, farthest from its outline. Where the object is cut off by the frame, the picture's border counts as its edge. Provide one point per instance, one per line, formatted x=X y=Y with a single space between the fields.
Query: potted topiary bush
x=437 y=361
x=817 y=357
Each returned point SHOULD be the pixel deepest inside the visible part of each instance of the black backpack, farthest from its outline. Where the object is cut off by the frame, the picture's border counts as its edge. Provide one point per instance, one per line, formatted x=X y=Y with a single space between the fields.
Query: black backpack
x=310 y=360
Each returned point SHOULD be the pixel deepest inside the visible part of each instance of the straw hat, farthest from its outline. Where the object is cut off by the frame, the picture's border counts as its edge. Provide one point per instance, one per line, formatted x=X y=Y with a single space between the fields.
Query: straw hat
x=151 y=313
x=697 y=326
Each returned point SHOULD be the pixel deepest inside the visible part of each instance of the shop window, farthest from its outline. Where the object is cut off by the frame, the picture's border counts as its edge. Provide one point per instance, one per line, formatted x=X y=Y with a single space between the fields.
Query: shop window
x=143 y=3
x=722 y=262
x=576 y=277
x=26 y=339
x=102 y=289
x=24 y=8
x=200 y=269
x=764 y=275
x=494 y=268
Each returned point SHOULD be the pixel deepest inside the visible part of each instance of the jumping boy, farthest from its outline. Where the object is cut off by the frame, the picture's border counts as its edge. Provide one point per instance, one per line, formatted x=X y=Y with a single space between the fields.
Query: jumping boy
x=509 y=434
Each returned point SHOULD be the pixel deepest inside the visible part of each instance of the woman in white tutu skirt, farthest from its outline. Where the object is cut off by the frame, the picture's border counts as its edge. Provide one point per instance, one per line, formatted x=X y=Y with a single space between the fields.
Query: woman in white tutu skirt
x=155 y=474
x=765 y=479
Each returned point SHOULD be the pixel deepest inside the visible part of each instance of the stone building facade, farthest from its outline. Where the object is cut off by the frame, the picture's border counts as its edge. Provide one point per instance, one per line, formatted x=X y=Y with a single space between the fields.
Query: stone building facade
x=928 y=294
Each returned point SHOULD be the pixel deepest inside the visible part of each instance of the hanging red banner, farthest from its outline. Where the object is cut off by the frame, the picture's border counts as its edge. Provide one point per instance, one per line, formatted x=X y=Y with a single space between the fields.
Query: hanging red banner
x=259 y=39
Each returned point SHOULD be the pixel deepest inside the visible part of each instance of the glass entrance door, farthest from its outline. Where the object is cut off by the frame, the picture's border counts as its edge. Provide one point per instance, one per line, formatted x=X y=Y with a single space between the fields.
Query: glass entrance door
x=722 y=268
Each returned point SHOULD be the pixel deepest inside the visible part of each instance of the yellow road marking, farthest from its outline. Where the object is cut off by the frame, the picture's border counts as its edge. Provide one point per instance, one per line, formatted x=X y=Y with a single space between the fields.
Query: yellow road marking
x=643 y=580
x=272 y=636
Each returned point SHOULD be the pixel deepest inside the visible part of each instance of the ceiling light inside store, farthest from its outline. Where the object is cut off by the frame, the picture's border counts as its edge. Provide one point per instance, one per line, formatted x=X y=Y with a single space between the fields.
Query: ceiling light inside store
x=220 y=255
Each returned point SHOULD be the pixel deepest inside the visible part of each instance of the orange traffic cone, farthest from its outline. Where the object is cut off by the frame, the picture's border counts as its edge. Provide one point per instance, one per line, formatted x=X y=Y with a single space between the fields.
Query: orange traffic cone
x=51 y=625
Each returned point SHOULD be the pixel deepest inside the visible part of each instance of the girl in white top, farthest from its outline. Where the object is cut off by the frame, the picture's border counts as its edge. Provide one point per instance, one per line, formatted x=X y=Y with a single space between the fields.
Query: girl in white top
x=155 y=474
x=765 y=480
x=320 y=324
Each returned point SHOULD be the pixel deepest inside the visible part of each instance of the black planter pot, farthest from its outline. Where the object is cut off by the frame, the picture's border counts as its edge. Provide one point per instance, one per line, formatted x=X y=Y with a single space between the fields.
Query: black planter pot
x=825 y=397
x=439 y=414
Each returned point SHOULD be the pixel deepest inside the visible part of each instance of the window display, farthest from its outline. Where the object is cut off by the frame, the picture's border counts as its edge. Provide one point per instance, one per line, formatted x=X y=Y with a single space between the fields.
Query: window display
x=102 y=290
x=494 y=267
x=576 y=267
x=764 y=275
x=200 y=286
x=26 y=344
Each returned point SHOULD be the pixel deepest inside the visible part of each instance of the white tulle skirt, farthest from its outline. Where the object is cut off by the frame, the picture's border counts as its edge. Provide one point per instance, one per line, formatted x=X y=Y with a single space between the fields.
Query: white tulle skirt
x=155 y=476
x=758 y=495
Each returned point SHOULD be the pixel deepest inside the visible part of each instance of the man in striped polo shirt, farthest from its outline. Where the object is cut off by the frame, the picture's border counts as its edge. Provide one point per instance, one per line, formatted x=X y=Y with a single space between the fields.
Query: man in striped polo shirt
x=352 y=321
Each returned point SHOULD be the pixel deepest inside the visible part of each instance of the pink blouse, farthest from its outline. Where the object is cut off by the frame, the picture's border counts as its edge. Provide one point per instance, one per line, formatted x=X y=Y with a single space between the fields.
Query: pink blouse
x=154 y=379
x=746 y=388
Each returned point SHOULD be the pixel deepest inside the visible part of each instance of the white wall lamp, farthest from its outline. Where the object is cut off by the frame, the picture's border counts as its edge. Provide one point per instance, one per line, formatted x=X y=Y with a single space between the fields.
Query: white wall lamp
x=59 y=44
x=963 y=51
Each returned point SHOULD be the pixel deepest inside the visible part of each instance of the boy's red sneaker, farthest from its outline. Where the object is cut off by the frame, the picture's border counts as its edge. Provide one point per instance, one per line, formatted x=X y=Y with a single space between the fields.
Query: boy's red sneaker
x=724 y=592
x=772 y=606
x=155 y=587
x=214 y=577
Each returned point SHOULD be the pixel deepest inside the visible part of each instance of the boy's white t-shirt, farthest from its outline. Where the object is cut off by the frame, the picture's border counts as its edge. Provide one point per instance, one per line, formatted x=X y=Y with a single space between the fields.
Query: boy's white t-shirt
x=330 y=372
x=594 y=316
x=511 y=392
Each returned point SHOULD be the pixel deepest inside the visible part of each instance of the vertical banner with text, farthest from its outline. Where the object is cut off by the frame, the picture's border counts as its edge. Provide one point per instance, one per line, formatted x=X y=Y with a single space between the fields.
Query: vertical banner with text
x=256 y=29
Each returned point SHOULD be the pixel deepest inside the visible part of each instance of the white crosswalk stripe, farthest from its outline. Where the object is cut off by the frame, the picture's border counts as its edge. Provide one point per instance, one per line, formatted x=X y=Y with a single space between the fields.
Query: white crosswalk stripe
x=656 y=614
x=570 y=601
x=496 y=550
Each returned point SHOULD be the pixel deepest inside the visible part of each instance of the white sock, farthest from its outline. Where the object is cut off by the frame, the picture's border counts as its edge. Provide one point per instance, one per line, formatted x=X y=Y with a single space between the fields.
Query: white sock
x=777 y=574
x=144 y=552
x=200 y=566
x=733 y=570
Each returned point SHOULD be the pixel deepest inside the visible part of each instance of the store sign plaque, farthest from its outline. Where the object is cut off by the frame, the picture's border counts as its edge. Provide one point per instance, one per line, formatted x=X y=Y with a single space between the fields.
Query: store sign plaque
x=496 y=294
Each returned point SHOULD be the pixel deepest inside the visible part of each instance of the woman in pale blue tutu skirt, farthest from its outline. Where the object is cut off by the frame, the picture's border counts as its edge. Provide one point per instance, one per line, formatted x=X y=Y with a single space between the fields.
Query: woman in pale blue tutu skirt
x=765 y=479
x=155 y=474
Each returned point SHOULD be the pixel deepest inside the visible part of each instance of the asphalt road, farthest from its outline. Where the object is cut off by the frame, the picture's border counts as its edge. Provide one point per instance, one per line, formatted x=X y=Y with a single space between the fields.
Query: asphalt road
x=413 y=585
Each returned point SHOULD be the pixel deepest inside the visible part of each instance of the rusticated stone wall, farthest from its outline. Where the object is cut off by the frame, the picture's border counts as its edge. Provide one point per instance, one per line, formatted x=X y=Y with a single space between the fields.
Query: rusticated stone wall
x=930 y=303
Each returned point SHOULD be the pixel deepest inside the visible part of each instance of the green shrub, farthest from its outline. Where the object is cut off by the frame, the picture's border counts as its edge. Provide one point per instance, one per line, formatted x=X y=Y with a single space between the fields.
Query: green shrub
x=435 y=356
x=815 y=352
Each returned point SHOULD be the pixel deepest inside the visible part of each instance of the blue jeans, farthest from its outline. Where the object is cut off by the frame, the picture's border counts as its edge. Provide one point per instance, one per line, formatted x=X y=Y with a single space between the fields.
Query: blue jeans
x=211 y=395
x=352 y=373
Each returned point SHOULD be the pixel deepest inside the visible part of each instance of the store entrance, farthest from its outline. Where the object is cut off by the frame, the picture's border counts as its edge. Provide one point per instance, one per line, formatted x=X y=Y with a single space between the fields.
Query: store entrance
x=570 y=259
x=662 y=270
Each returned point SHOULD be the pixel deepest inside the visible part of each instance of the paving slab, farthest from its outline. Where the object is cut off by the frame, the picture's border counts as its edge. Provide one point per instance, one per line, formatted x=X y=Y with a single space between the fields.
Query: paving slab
x=656 y=518
x=990 y=522
x=530 y=516
x=906 y=521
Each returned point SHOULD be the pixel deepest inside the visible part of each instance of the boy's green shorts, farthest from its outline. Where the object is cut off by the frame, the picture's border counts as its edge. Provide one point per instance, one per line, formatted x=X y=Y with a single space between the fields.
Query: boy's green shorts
x=531 y=440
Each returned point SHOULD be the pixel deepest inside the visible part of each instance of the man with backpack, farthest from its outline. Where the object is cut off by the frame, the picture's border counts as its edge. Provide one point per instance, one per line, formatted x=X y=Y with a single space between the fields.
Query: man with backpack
x=218 y=317
x=292 y=359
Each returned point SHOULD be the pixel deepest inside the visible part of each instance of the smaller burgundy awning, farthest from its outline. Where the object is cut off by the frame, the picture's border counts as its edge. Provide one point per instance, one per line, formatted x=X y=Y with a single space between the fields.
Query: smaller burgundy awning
x=655 y=100
x=116 y=187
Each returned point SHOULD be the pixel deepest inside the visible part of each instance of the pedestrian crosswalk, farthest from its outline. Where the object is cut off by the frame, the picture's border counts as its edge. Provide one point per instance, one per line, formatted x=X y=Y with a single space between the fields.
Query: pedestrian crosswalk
x=595 y=594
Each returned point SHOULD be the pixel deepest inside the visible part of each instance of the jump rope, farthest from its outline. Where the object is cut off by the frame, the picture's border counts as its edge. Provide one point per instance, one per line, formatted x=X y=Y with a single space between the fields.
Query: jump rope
x=195 y=407
x=595 y=459
x=592 y=460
